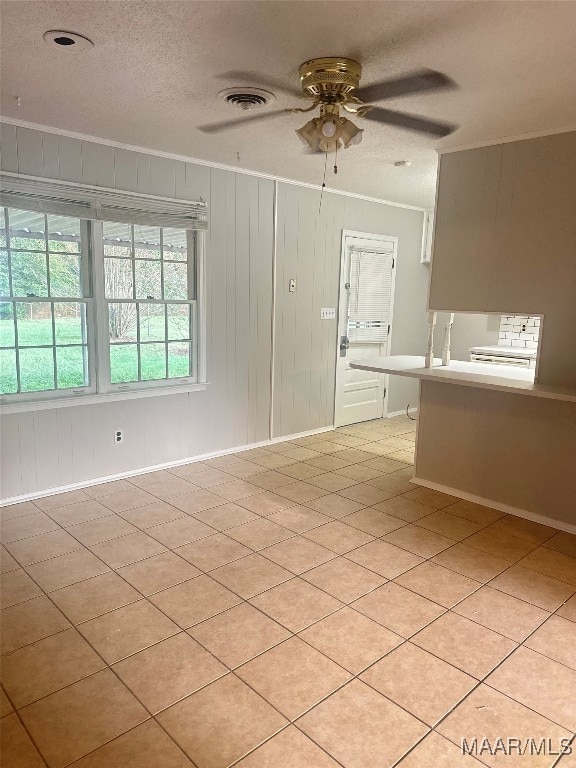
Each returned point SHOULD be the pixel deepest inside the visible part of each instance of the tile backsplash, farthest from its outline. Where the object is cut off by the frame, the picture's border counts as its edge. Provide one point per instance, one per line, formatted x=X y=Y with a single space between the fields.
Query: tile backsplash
x=519 y=331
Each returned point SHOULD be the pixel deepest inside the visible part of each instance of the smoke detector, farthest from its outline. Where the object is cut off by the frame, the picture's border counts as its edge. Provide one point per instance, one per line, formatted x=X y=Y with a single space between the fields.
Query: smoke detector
x=247 y=98
x=68 y=41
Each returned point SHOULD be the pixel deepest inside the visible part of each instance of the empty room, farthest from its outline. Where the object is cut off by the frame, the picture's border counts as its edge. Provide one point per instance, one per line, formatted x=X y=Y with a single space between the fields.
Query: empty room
x=288 y=384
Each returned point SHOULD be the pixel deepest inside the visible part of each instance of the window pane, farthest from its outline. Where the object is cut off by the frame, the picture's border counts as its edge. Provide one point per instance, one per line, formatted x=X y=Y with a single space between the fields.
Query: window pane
x=152 y=322
x=153 y=361
x=118 y=277
x=148 y=280
x=178 y=321
x=36 y=369
x=2 y=228
x=146 y=242
x=174 y=244
x=29 y=274
x=34 y=322
x=117 y=240
x=122 y=322
x=6 y=324
x=158 y=269
x=72 y=367
x=27 y=230
x=63 y=234
x=178 y=360
x=123 y=363
x=117 y=250
x=44 y=254
x=64 y=274
x=175 y=280
x=4 y=274
x=70 y=323
x=8 y=379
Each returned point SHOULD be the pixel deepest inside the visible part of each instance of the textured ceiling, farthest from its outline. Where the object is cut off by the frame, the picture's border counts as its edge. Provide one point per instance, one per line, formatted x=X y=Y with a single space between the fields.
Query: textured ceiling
x=156 y=68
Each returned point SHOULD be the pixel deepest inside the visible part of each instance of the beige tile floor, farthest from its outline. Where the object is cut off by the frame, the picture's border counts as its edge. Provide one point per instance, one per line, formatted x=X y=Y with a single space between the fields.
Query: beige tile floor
x=302 y=605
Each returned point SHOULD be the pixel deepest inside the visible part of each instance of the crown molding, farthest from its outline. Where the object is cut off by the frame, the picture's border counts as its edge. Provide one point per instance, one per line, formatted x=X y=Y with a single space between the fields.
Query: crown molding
x=198 y=161
x=508 y=140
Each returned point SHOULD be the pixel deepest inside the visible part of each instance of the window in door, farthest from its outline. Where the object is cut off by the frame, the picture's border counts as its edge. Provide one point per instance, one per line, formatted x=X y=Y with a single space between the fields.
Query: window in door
x=370 y=296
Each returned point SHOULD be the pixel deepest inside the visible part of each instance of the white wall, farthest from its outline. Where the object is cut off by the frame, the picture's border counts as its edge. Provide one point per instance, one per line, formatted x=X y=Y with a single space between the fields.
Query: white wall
x=61 y=446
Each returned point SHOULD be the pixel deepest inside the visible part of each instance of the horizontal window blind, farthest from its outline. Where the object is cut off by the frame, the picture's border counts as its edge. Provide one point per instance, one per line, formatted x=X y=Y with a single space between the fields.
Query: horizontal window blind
x=84 y=202
x=370 y=296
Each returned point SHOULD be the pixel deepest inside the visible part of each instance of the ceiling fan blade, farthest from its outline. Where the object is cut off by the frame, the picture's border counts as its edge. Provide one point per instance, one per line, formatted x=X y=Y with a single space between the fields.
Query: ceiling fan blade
x=257 y=79
x=410 y=122
x=417 y=82
x=239 y=121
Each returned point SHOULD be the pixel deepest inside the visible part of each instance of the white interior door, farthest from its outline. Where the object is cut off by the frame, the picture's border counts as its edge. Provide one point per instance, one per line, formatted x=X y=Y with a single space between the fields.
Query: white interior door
x=364 y=324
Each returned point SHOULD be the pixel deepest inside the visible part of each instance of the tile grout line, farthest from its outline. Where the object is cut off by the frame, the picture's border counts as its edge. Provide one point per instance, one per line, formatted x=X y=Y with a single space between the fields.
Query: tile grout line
x=293 y=634
x=152 y=716
x=107 y=666
x=299 y=575
x=557 y=763
x=482 y=681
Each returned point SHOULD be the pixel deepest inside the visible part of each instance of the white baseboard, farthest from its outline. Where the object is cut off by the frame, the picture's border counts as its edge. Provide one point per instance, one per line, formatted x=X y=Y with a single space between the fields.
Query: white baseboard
x=392 y=414
x=533 y=516
x=155 y=467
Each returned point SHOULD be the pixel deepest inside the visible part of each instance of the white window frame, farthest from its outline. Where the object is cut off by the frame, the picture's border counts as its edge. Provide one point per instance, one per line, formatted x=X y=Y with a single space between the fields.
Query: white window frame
x=103 y=346
x=101 y=388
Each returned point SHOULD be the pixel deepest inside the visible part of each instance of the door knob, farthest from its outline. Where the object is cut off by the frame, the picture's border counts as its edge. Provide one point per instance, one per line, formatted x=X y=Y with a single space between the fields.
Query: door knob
x=344 y=345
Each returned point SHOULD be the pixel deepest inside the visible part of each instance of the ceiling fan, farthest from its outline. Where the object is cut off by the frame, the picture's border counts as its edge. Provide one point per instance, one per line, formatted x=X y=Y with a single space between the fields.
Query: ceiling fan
x=333 y=85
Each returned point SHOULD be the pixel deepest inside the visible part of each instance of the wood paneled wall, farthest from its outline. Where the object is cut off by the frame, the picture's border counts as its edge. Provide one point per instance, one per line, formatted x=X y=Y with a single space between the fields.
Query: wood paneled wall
x=60 y=446
x=308 y=247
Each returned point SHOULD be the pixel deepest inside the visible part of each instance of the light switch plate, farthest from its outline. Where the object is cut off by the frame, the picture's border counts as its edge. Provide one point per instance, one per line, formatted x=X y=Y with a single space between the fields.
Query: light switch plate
x=292 y=286
x=328 y=313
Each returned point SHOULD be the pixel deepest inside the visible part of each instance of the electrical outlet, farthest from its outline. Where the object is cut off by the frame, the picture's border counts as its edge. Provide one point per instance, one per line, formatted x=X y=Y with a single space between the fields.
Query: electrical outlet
x=328 y=313
x=118 y=436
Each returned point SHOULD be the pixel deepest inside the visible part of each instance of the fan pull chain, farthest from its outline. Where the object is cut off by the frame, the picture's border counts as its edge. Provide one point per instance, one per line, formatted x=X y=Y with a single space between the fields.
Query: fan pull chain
x=323 y=183
x=336 y=160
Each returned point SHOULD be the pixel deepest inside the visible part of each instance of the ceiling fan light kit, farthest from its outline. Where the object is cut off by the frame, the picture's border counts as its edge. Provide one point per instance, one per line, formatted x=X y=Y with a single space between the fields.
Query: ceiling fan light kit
x=329 y=131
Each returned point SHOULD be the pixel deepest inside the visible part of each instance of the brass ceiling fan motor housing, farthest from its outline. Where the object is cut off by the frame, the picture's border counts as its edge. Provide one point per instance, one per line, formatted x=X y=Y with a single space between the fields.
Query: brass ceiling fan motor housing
x=332 y=79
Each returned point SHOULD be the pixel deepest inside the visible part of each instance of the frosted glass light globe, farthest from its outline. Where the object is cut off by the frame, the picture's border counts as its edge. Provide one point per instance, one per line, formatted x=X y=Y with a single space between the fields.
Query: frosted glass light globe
x=329 y=129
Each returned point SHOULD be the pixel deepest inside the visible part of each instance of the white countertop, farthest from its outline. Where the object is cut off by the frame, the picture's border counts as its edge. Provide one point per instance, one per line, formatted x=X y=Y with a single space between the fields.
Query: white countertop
x=467 y=374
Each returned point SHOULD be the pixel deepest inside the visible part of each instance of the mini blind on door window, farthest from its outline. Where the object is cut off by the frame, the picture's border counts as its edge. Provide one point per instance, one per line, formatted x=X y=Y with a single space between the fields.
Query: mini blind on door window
x=85 y=202
x=370 y=295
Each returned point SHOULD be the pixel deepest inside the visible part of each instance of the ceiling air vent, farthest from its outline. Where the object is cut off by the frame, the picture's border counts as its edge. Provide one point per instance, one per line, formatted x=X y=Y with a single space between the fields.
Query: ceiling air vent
x=247 y=98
